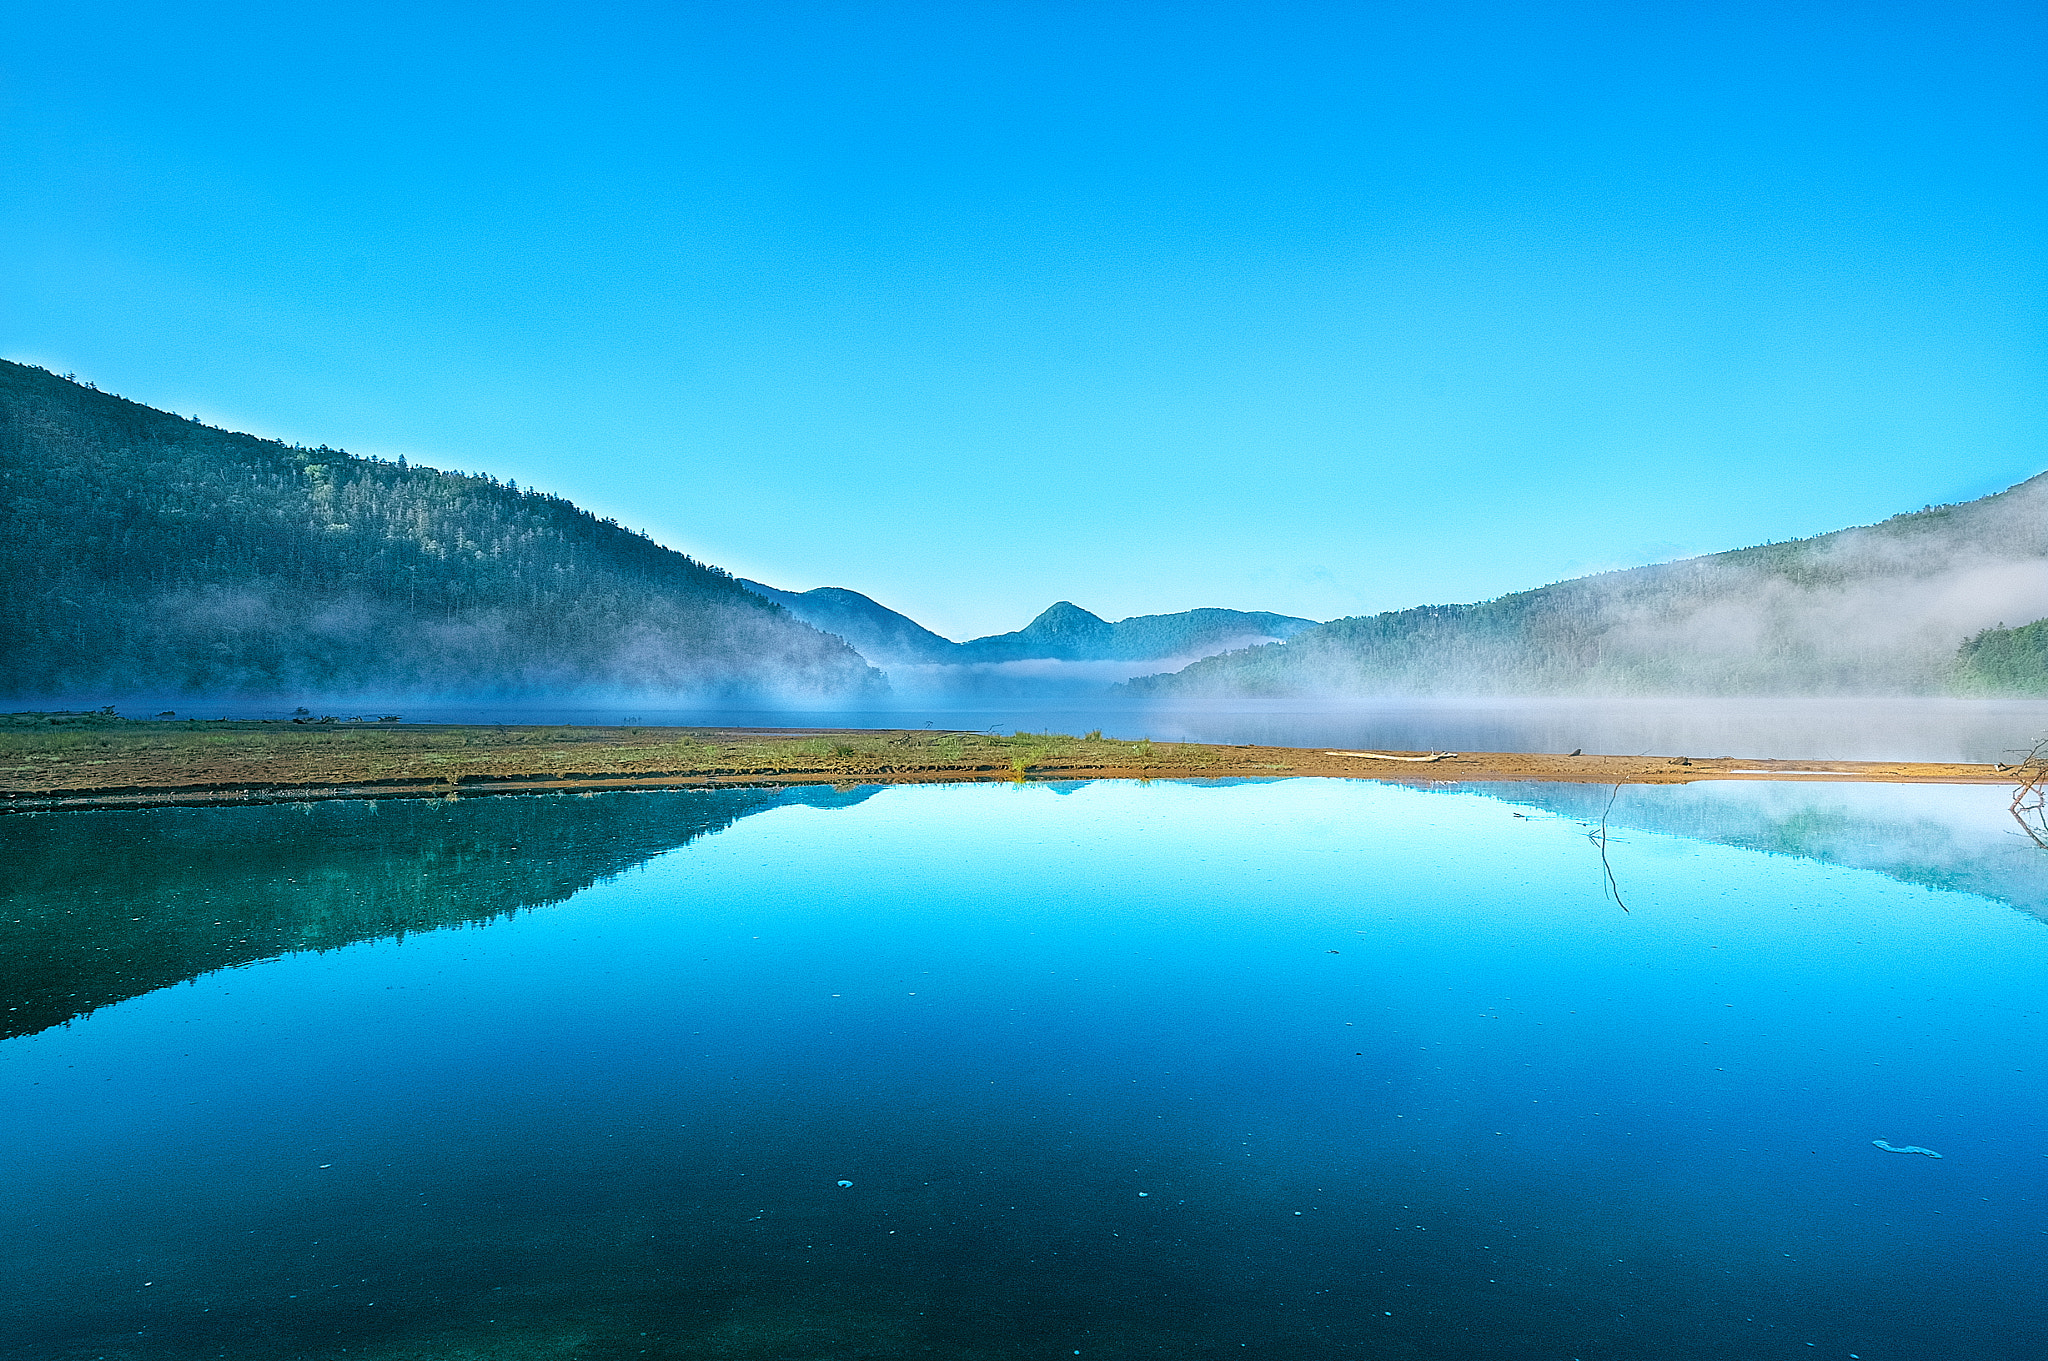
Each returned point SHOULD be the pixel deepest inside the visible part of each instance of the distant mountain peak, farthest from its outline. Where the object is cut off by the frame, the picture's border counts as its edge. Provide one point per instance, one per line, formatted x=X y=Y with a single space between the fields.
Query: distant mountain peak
x=1063 y=631
x=872 y=629
x=1064 y=619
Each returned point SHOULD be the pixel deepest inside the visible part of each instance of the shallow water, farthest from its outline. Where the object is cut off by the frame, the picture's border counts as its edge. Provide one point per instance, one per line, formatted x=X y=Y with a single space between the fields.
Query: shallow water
x=1306 y=1068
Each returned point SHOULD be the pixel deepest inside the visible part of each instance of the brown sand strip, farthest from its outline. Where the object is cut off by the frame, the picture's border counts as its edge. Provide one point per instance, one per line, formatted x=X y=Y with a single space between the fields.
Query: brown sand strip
x=524 y=763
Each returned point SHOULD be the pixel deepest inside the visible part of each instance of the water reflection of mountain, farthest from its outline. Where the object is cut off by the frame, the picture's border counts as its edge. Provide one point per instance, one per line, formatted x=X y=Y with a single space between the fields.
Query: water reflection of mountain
x=1938 y=836
x=105 y=906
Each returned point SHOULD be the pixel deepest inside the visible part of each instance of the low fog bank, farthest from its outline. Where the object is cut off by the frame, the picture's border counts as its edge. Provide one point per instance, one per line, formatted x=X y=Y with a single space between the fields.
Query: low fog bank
x=1781 y=729
x=1955 y=837
x=955 y=710
x=1801 y=728
x=1034 y=679
x=264 y=642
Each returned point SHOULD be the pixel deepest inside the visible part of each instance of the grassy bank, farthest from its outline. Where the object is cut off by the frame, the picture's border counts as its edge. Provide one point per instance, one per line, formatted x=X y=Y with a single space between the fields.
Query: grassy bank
x=95 y=760
x=92 y=751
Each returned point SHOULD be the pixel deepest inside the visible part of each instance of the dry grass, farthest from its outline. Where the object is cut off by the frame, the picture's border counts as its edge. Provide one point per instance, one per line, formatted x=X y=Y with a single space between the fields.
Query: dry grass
x=99 y=761
x=80 y=755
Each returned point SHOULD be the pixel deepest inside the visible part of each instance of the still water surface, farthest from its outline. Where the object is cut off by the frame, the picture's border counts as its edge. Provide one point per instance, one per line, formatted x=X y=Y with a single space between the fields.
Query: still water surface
x=1294 y=1069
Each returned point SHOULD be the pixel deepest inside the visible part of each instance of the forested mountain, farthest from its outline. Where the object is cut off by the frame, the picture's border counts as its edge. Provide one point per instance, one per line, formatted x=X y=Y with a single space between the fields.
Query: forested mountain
x=1063 y=632
x=874 y=630
x=144 y=553
x=1880 y=609
x=1066 y=632
x=2003 y=661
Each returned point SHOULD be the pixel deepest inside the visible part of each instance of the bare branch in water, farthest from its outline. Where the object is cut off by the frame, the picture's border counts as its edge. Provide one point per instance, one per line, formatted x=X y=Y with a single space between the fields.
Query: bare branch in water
x=2030 y=794
x=1599 y=839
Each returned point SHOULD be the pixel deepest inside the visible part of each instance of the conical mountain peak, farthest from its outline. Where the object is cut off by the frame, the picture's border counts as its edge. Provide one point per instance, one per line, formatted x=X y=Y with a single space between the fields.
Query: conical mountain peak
x=1066 y=617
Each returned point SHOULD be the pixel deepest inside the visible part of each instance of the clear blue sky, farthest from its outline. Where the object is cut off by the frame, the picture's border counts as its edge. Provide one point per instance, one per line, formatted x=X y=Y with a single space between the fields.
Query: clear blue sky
x=973 y=306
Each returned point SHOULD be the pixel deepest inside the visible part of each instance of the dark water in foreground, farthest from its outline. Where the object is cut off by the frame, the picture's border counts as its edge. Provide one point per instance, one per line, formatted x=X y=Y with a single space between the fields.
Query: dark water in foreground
x=1302 y=1069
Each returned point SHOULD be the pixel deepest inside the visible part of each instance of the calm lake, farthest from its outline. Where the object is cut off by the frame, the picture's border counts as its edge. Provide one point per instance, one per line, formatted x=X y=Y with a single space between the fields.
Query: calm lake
x=1277 y=1070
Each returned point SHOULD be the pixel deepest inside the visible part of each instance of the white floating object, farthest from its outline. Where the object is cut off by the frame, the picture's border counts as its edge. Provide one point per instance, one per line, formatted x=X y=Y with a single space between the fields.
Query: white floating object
x=846 y=1183
x=1904 y=1148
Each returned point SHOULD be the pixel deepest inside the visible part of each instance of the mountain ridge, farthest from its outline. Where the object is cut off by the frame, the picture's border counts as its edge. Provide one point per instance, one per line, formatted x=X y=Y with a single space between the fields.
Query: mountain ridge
x=1868 y=610
x=149 y=554
x=1062 y=631
x=878 y=633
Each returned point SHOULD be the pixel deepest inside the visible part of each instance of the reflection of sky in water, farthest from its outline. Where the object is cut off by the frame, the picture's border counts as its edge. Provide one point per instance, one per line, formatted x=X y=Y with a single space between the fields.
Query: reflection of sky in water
x=1394 y=1078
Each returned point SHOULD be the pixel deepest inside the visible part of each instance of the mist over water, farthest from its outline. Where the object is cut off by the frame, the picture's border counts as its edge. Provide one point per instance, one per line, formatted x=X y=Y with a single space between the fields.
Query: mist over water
x=1973 y=730
x=1037 y=680
x=1784 y=729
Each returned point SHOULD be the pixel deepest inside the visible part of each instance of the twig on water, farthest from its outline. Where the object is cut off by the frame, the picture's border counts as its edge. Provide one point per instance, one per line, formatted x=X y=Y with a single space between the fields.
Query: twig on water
x=1599 y=839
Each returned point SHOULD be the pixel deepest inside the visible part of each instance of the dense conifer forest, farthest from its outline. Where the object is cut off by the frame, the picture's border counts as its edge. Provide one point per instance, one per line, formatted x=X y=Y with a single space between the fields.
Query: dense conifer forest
x=147 y=554
x=2003 y=661
x=1885 y=609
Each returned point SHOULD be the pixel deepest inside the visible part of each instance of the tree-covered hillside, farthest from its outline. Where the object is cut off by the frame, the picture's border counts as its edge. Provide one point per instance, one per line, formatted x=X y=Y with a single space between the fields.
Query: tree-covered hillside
x=877 y=632
x=2003 y=661
x=1881 y=609
x=147 y=554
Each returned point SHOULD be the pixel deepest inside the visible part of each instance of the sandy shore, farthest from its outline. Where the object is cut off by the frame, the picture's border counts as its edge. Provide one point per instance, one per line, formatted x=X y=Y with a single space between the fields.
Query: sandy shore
x=143 y=765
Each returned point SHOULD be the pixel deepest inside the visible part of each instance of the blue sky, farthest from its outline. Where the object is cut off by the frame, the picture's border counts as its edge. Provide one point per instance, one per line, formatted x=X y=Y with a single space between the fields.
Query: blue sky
x=974 y=306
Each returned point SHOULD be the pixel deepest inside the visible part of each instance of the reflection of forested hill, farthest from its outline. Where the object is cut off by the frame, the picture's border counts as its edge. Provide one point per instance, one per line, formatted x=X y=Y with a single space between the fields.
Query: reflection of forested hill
x=149 y=554
x=103 y=906
x=1947 y=837
x=99 y=907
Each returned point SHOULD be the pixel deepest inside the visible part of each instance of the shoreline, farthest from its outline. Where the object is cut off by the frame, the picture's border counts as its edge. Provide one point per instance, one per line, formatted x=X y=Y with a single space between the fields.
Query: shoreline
x=58 y=768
